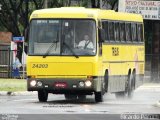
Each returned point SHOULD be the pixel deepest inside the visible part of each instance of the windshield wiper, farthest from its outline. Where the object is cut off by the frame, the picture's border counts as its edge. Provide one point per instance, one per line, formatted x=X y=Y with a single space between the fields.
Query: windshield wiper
x=69 y=48
x=49 y=49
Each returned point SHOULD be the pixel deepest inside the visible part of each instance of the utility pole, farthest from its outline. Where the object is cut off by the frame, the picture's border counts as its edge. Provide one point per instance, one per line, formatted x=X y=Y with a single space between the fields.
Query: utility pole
x=45 y=3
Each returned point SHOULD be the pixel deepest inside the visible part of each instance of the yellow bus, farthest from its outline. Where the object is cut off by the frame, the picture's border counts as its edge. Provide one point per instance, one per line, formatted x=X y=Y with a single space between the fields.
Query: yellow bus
x=79 y=51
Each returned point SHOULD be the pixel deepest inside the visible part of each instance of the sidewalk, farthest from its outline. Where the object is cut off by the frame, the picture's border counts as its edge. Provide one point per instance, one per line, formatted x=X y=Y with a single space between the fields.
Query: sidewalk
x=151 y=87
x=157 y=104
x=8 y=93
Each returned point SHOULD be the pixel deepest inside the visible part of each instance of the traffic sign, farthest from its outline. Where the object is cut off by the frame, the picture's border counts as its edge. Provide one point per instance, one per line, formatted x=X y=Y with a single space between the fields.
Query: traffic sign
x=18 y=39
x=148 y=9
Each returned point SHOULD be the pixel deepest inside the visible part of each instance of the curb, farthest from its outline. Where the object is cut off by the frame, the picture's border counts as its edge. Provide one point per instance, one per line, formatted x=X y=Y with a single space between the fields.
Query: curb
x=157 y=104
x=8 y=93
x=151 y=84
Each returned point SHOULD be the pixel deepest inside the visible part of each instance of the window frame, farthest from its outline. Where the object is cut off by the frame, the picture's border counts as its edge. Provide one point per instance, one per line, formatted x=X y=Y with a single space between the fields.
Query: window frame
x=128 y=32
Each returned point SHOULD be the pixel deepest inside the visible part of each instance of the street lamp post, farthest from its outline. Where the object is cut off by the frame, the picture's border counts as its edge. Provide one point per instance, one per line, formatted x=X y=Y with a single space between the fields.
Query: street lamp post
x=46 y=4
x=26 y=13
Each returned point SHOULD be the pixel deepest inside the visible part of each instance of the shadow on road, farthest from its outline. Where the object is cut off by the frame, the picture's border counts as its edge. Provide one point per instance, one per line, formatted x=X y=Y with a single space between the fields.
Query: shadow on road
x=76 y=101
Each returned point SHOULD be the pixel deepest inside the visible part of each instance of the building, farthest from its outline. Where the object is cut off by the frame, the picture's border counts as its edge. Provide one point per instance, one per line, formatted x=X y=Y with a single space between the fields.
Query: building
x=5 y=53
x=150 y=10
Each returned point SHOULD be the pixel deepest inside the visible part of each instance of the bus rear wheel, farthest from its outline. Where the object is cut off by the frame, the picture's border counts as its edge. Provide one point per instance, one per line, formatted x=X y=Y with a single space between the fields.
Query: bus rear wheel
x=131 y=86
x=42 y=96
x=129 y=89
x=98 y=96
x=106 y=81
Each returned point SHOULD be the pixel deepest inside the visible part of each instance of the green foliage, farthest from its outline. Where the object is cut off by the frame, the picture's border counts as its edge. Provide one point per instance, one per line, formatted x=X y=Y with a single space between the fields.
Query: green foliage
x=13 y=85
x=14 y=14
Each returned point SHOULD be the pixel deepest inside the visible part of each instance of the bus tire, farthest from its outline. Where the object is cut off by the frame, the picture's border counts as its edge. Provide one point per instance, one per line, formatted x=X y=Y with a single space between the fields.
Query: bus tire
x=70 y=97
x=98 y=96
x=131 y=87
x=42 y=95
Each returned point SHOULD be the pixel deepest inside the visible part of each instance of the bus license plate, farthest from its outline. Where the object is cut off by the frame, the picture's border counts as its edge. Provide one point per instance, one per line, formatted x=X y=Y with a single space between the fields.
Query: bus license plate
x=60 y=85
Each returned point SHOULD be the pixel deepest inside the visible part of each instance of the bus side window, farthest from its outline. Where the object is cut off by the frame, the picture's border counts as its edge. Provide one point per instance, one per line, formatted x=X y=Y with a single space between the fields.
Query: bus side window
x=134 y=32
x=128 y=32
x=111 y=31
x=140 y=32
x=122 y=32
x=116 y=32
x=105 y=27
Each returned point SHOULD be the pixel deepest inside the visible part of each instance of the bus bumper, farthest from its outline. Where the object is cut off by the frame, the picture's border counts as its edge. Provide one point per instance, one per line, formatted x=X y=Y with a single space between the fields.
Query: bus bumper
x=62 y=86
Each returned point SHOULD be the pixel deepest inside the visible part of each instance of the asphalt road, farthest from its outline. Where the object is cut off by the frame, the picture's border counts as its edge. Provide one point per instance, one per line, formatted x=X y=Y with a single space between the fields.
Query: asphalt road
x=27 y=106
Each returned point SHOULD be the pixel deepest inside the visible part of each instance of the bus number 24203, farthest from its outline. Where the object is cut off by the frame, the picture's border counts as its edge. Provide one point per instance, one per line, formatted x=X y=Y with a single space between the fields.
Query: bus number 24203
x=40 y=66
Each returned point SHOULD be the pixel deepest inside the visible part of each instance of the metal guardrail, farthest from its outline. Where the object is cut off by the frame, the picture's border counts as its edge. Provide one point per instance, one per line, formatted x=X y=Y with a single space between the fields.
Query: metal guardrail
x=5 y=61
x=3 y=65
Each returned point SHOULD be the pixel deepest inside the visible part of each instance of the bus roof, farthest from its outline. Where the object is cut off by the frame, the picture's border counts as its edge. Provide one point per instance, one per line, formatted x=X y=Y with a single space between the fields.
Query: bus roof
x=81 y=12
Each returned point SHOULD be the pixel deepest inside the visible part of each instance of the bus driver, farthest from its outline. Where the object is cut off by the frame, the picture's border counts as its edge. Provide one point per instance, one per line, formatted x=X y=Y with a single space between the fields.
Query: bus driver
x=86 y=43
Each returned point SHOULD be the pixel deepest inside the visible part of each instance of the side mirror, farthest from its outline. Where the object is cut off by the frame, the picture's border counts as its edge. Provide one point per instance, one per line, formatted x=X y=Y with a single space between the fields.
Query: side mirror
x=26 y=34
x=26 y=37
x=101 y=35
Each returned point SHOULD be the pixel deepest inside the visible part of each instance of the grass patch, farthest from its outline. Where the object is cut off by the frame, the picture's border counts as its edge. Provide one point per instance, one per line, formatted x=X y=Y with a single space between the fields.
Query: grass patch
x=13 y=85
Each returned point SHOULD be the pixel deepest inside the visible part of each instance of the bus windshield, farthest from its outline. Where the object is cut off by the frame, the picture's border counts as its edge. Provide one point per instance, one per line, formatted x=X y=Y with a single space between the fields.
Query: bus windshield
x=49 y=37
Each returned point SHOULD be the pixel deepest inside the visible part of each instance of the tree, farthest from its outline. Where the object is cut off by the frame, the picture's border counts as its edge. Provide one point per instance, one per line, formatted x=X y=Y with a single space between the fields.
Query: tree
x=112 y=3
x=14 y=16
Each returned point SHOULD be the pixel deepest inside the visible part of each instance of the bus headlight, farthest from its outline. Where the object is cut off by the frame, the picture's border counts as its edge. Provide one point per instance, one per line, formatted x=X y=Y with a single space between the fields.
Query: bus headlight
x=33 y=83
x=81 y=84
x=39 y=83
x=88 y=83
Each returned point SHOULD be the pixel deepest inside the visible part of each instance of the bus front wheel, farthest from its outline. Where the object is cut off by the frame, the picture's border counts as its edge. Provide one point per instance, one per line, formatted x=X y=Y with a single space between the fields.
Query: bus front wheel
x=42 y=96
x=98 y=96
